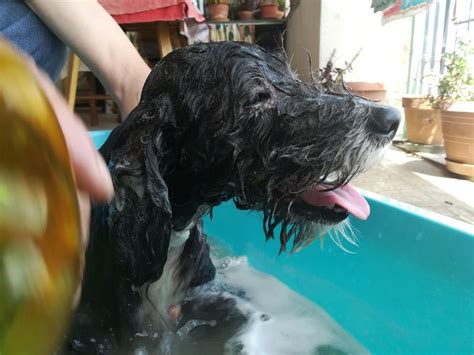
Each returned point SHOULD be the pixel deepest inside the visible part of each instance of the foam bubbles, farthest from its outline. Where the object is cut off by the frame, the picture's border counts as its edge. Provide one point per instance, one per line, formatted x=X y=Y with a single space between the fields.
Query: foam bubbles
x=282 y=321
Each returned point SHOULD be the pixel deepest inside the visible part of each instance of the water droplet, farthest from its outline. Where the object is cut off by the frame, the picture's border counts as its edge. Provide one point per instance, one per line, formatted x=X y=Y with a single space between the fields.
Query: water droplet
x=77 y=344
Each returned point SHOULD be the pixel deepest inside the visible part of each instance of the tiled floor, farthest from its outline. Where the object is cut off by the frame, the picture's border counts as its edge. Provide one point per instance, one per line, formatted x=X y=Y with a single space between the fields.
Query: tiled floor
x=423 y=183
x=405 y=177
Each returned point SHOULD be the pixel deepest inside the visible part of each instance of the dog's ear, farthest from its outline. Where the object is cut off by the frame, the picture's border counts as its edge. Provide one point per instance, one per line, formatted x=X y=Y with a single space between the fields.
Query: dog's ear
x=156 y=237
x=140 y=216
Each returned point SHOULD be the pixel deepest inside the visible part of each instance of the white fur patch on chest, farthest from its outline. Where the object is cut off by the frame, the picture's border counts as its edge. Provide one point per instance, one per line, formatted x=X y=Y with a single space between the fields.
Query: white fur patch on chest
x=162 y=294
x=178 y=238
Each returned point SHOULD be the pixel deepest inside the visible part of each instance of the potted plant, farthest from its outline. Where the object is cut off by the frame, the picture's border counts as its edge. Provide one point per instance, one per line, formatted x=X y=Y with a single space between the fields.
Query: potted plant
x=281 y=9
x=218 y=10
x=247 y=9
x=374 y=91
x=269 y=9
x=423 y=123
x=455 y=101
x=331 y=74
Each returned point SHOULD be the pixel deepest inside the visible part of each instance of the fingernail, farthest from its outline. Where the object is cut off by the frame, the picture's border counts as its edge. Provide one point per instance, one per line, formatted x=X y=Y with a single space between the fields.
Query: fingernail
x=105 y=177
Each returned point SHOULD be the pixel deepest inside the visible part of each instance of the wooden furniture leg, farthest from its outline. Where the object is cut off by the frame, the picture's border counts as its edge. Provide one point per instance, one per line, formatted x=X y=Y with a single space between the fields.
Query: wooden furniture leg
x=92 y=101
x=164 y=38
x=71 y=82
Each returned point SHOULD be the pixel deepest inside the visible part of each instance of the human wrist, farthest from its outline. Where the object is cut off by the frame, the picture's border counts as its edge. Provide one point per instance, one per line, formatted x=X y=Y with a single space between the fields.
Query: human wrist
x=128 y=91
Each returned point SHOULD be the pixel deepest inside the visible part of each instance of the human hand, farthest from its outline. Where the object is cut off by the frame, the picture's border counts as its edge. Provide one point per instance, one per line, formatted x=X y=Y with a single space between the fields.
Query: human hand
x=92 y=175
x=40 y=241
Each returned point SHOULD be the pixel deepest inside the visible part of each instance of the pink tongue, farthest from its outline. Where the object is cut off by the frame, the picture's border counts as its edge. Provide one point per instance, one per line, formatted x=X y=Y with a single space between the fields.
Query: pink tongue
x=346 y=196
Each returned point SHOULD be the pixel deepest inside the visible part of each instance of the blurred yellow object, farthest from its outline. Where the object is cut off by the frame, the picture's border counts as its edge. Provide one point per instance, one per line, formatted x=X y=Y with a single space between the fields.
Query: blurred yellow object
x=40 y=247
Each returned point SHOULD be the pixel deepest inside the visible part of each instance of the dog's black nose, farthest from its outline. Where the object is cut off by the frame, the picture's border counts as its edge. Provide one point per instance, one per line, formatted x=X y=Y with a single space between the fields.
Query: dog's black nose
x=384 y=120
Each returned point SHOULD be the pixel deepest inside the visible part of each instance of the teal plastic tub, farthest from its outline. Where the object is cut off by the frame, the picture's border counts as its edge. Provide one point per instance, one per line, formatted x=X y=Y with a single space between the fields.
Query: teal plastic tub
x=408 y=288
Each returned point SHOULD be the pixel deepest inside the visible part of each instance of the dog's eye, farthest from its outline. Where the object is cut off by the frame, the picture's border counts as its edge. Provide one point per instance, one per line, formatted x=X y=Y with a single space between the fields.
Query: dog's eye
x=260 y=97
x=263 y=96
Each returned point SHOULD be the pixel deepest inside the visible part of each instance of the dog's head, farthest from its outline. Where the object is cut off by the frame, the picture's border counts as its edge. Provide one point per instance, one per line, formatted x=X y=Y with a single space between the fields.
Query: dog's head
x=230 y=121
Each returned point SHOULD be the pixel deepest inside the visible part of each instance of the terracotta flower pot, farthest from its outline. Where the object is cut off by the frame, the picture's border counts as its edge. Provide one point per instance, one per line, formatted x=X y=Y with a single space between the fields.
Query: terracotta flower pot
x=458 y=132
x=245 y=15
x=269 y=11
x=218 y=12
x=423 y=124
x=371 y=91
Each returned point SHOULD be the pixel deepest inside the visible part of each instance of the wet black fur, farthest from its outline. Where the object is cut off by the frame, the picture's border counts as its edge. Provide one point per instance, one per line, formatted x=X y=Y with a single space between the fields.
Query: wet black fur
x=215 y=122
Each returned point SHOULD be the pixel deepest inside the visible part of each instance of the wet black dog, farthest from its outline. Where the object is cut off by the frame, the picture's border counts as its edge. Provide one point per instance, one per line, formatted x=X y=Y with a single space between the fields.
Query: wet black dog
x=215 y=122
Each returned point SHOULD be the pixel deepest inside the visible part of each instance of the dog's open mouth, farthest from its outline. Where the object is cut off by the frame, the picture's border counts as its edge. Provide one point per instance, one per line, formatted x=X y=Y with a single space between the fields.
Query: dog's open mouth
x=333 y=205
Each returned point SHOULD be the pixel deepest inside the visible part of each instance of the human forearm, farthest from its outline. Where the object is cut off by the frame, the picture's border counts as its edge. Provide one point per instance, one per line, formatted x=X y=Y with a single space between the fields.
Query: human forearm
x=96 y=38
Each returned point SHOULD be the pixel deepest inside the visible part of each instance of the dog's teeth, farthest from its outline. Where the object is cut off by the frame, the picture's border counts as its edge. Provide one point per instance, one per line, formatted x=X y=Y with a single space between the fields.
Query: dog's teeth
x=339 y=209
x=331 y=206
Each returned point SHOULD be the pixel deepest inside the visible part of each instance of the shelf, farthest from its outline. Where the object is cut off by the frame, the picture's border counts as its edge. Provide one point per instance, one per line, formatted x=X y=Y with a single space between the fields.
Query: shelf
x=254 y=22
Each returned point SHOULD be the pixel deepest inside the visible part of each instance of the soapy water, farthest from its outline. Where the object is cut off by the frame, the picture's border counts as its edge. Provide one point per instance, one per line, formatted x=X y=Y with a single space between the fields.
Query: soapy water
x=280 y=321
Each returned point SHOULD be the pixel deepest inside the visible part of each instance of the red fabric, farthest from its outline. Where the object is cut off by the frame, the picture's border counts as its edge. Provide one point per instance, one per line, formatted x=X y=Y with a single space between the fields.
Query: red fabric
x=139 y=11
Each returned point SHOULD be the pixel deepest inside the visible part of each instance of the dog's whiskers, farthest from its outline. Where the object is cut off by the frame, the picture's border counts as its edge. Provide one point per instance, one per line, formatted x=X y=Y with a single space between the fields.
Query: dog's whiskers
x=344 y=232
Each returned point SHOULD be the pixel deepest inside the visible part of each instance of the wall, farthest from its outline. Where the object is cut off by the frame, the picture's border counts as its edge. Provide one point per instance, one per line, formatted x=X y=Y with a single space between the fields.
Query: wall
x=347 y=26
x=303 y=36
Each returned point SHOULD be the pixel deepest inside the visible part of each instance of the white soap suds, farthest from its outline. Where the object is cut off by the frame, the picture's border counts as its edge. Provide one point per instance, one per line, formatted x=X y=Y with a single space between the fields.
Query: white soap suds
x=282 y=321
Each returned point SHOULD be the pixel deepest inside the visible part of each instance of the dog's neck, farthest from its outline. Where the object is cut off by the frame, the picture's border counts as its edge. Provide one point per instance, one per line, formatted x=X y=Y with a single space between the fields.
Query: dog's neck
x=198 y=175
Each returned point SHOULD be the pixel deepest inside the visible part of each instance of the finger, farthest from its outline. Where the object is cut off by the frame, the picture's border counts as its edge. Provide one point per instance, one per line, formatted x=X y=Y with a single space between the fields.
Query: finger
x=91 y=173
